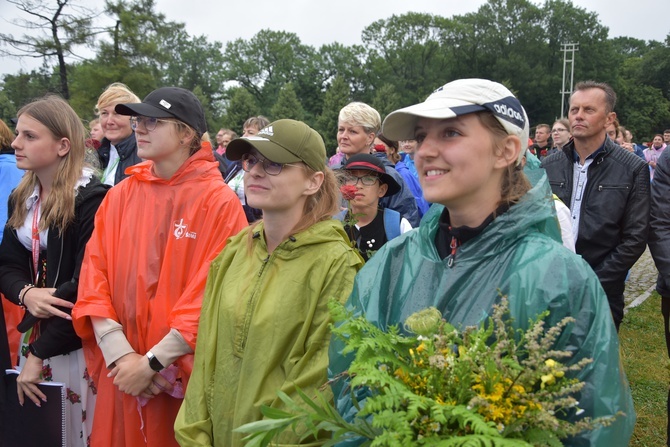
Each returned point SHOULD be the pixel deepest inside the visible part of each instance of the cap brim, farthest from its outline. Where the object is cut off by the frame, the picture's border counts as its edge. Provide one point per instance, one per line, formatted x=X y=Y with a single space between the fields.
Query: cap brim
x=268 y=149
x=401 y=124
x=389 y=181
x=141 y=109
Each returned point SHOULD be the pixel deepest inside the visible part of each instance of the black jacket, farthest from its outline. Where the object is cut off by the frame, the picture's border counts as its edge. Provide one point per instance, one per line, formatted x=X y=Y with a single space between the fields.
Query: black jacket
x=64 y=256
x=614 y=218
x=127 y=150
x=659 y=223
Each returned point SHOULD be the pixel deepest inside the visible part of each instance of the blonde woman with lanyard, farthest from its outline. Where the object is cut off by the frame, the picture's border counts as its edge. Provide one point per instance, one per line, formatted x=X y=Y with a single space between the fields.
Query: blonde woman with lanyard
x=50 y=221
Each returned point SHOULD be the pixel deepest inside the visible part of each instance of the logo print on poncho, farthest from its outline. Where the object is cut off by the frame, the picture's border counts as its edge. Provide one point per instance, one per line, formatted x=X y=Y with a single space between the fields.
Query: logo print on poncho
x=181 y=230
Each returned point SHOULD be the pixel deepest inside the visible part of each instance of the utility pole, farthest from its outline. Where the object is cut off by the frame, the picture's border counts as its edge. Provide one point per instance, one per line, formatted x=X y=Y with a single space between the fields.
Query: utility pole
x=568 y=74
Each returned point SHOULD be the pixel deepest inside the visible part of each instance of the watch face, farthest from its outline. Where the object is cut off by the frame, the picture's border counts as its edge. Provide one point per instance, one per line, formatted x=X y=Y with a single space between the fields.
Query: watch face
x=154 y=363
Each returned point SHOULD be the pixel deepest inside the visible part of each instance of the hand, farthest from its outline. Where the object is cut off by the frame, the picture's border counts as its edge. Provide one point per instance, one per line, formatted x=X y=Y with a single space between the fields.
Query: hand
x=159 y=384
x=132 y=374
x=41 y=303
x=628 y=147
x=26 y=383
x=652 y=164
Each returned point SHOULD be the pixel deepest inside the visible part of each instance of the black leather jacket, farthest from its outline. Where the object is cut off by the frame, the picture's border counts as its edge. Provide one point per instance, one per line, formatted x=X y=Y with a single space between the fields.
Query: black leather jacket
x=659 y=231
x=614 y=218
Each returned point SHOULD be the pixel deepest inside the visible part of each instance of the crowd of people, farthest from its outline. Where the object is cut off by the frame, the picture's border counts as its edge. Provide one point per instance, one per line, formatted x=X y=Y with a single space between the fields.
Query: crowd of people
x=175 y=285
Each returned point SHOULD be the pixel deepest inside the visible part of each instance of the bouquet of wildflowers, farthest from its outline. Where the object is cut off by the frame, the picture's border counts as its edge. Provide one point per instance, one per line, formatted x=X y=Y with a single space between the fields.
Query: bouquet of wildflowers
x=484 y=386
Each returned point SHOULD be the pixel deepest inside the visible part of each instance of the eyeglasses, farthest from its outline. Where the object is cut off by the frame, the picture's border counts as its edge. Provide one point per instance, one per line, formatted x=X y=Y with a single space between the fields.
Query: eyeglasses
x=366 y=180
x=557 y=130
x=270 y=167
x=149 y=123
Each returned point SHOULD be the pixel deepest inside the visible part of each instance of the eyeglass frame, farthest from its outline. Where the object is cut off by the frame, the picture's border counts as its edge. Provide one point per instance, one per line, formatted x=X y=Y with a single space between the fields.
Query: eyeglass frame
x=559 y=130
x=136 y=120
x=348 y=179
x=244 y=161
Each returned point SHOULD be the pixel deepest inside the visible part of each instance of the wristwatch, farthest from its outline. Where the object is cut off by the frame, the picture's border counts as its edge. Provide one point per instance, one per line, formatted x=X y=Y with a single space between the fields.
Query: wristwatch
x=154 y=363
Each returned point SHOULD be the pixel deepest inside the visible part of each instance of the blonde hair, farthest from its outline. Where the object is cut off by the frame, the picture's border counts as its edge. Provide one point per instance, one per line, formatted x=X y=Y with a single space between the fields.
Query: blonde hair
x=259 y=122
x=6 y=136
x=93 y=123
x=320 y=206
x=58 y=209
x=361 y=114
x=116 y=93
x=515 y=184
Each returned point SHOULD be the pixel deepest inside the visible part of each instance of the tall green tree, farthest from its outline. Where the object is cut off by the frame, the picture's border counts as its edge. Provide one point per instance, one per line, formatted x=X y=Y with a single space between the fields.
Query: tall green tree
x=265 y=63
x=386 y=100
x=337 y=96
x=23 y=87
x=405 y=51
x=288 y=105
x=241 y=106
x=62 y=27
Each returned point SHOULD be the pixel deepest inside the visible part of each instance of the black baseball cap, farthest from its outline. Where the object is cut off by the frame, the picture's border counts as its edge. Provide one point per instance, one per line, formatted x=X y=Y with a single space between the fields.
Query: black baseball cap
x=169 y=102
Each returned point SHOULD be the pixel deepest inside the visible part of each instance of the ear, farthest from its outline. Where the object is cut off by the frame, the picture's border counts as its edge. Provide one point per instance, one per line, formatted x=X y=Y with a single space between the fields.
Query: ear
x=383 y=187
x=371 y=138
x=509 y=151
x=313 y=183
x=610 y=118
x=63 y=147
x=186 y=135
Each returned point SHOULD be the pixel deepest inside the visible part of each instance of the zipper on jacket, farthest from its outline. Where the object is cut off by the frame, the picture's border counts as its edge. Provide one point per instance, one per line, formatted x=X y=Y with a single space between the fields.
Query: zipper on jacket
x=240 y=342
x=265 y=262
x=60 y=261
x=604 y=187
x=454 y=246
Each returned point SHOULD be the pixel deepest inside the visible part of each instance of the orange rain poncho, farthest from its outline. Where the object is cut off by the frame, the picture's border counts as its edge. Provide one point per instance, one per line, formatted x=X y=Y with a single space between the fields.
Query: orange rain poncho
x=145 y=267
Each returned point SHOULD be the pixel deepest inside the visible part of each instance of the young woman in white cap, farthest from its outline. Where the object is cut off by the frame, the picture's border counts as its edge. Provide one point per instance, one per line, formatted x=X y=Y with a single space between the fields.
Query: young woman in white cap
x=145 y=268
x=265 y=320
x=490 y=236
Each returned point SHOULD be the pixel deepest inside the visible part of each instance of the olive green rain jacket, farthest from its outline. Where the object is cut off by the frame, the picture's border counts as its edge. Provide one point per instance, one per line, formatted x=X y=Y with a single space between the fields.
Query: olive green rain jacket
x=264 y=327
x=518 y=254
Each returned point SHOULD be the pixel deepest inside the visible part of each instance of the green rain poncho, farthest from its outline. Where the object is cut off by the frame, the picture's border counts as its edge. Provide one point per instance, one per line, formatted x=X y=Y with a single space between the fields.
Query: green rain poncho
x=516 y=256
x=265 y=327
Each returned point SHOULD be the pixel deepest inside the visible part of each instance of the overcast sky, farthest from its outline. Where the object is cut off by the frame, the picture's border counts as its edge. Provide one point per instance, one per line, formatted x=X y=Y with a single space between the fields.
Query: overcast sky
x=320 y=22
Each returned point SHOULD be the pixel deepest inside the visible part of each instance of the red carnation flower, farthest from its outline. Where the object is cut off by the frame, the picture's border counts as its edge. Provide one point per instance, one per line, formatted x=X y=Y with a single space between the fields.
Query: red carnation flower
x=348 y=191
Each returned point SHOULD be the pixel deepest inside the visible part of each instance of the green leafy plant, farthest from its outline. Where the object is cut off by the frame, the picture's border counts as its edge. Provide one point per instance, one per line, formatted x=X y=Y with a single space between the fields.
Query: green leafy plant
x=490 y=385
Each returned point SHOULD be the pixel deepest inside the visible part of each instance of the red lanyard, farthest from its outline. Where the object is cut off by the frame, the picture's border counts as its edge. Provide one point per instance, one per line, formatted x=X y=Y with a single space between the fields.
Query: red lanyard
x=36 y=239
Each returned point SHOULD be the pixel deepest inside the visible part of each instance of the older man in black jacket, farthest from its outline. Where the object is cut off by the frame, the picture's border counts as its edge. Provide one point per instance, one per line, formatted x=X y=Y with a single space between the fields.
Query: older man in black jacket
x=606 y=189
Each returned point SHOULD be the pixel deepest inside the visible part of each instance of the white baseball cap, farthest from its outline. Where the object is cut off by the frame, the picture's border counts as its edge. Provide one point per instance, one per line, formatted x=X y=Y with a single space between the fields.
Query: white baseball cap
x=462 y=97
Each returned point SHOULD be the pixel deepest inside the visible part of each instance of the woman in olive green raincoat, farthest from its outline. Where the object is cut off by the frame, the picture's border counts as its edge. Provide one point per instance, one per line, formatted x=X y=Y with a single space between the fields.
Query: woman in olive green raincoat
x=265 y=322
x=494 y=231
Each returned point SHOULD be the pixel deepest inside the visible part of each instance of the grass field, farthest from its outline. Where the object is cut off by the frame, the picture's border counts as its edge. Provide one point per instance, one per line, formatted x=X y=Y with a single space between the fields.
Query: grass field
x=646 y=363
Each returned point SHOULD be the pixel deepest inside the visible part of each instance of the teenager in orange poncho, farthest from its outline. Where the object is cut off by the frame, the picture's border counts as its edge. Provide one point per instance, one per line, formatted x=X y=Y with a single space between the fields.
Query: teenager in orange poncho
x=144 y=271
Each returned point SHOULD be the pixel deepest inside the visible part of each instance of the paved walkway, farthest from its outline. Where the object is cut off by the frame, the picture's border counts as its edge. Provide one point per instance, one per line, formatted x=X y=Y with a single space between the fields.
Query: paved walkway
x=642 y=280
